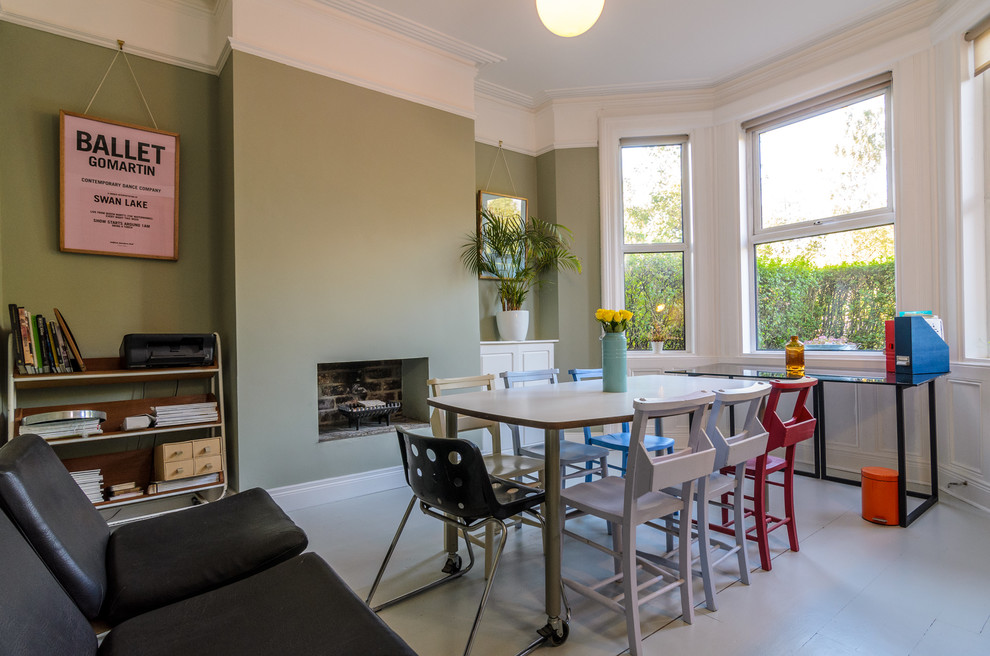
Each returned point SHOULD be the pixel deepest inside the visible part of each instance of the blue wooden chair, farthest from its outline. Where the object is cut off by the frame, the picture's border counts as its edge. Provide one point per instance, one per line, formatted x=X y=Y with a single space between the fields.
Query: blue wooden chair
x=620 y=441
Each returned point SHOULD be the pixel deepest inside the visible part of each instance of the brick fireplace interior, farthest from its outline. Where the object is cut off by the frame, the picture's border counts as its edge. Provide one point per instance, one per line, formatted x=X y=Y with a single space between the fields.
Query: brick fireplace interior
x=400 y=381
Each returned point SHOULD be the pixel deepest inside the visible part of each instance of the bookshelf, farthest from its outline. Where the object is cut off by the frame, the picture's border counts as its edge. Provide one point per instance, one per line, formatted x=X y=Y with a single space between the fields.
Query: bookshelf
x=124 y=456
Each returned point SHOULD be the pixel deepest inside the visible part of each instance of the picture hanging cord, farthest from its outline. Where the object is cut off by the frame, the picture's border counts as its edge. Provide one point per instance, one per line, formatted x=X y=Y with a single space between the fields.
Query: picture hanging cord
x=504 y=161
x=120 y=51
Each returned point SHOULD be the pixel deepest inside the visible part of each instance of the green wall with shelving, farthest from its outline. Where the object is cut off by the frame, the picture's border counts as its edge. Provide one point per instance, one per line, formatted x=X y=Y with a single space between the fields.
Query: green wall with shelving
x=102 y=297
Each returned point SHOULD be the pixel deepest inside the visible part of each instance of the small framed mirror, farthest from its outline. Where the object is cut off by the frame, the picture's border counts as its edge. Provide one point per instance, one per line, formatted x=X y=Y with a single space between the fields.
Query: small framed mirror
x=503 y=205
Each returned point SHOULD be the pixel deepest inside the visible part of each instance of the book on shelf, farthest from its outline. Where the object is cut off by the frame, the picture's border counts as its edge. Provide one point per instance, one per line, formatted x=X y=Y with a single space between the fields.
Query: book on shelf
x=45 y=344
x=81 y=428
x=39 y=357
x=26 y=348
x=124 y=491
x=63 y=423
x=15 y=333
x=185 y=413
x=120 y=496
x=90 y=481
x=42 y=346
x=158 y=487
x=70 y=340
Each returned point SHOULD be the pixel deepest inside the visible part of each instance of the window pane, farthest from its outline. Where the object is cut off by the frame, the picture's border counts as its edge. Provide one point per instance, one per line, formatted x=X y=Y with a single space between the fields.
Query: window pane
x=651 y=194
x=826 y=165
x=831 y=291
x=654 y=284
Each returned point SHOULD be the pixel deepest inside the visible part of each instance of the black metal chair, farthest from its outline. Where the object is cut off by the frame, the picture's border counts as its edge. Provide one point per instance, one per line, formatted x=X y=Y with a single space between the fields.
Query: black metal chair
x=449 y=480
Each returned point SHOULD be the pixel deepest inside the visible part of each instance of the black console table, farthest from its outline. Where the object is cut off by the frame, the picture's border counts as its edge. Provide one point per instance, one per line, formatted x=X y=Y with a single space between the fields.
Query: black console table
x=899 y=382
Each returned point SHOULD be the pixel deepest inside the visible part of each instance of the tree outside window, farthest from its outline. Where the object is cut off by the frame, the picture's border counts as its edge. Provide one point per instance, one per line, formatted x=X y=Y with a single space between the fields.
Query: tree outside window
x=653 y=201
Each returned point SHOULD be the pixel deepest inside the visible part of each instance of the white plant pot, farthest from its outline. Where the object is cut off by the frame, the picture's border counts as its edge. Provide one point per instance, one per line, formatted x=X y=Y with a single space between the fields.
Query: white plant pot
x=512 y=325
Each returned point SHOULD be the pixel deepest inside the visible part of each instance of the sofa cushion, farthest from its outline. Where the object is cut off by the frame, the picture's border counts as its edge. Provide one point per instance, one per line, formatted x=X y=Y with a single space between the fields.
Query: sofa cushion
x=43 y=500
x=37 y=618
x=170 y=557
x=300 y=607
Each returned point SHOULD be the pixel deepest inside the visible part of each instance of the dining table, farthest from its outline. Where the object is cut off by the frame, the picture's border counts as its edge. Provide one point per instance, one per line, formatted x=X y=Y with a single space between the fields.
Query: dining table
x=555 y=408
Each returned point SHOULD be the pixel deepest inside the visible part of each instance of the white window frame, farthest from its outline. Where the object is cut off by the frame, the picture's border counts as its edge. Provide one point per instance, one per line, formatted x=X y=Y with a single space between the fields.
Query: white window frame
x=758 y=234
x=614 y=248
x=974 y=170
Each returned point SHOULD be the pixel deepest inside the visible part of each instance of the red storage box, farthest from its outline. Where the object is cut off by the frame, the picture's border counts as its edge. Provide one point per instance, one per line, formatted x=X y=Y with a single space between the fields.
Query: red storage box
x=880 y=495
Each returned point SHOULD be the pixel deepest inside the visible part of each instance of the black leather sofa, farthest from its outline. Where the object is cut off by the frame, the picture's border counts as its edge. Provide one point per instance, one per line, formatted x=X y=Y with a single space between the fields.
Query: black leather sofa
x=223 y=578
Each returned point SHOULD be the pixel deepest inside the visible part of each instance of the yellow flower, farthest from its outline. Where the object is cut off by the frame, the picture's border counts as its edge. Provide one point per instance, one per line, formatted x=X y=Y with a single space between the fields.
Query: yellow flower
x=600 y=314
x=624 y=315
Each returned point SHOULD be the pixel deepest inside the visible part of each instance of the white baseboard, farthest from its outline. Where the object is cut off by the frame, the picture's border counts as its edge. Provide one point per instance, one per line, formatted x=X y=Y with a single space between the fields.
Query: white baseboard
x=314 y=493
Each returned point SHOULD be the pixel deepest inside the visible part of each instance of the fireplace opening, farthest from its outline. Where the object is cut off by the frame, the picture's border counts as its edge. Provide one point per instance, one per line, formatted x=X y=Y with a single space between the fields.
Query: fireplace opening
x=370 y=397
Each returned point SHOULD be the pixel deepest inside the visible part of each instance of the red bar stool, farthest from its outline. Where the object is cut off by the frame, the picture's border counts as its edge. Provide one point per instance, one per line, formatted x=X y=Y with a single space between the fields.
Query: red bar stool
x=786 y=434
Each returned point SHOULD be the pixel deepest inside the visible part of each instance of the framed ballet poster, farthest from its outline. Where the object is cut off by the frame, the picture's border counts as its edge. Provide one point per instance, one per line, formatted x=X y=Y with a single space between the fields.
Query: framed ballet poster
x=119 y=187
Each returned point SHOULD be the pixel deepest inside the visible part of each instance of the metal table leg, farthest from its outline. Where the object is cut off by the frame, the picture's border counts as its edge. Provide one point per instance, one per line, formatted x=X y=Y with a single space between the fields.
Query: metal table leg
x=555 y=631
x=449 y=532
x=930 y=499
x=901 y=458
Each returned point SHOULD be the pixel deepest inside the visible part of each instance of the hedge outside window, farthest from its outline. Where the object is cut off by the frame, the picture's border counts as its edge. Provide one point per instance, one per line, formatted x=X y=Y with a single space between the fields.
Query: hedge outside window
x=822 y=237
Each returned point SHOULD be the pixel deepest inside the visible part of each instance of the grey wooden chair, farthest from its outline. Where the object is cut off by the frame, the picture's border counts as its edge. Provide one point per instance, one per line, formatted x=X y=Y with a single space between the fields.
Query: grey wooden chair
x=639 y=499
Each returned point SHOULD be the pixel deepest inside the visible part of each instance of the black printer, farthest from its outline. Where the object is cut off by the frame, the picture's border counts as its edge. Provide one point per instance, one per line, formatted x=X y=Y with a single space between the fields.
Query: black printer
x=138 y=351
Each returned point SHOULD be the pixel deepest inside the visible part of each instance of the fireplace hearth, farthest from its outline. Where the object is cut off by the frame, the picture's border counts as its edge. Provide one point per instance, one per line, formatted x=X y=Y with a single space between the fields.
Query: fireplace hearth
x=368 y=397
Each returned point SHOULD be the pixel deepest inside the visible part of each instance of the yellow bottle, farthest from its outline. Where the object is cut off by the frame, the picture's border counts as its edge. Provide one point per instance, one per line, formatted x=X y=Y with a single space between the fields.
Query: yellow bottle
x=794 y=358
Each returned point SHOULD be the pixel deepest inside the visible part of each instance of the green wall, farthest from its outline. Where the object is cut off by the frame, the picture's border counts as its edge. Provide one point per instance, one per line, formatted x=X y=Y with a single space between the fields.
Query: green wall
x=350 y=206
x=102 y=297
x=569 y=185
x=318 y=222
x=513 y=175
x=226 y=305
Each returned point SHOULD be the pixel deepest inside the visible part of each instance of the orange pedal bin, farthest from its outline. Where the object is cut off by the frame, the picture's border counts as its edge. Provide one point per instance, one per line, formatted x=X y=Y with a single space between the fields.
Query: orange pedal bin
x=880 y=495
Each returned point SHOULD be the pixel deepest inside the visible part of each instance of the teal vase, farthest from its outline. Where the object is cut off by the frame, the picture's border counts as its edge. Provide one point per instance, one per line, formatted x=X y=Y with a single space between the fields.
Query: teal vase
x=614 y=362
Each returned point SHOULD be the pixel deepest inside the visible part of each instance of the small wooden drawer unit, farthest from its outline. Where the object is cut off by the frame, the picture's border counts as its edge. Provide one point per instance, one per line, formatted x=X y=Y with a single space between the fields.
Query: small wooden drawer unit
x=206 y=448
x=184 y=459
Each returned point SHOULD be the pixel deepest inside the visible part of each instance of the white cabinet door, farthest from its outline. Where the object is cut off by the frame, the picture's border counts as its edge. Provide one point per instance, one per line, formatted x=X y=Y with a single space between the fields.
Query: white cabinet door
x=497 y=357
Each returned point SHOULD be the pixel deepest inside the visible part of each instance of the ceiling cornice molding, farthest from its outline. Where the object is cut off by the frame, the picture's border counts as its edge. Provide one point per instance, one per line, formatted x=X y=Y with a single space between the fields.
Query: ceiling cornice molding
x=416 y=31
x=501 y=94
x=913 y=15
x=111 y=43
x=207 y=7
x=628 y=90
x=887 y=26
x=961 y=16
x=325 y=71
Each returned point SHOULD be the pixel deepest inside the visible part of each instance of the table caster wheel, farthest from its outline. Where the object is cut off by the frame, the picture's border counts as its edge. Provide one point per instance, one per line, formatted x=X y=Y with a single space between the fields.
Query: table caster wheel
x=557 y=640
x=453 y=565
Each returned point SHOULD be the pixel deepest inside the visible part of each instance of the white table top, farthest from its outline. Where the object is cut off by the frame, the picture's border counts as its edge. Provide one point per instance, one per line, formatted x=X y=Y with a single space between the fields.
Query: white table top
x=574 y=405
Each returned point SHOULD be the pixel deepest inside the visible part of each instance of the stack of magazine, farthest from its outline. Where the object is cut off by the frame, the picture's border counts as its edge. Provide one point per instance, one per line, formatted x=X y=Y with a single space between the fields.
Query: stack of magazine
x=185 y=413
x=91 y=483
x=63 y=423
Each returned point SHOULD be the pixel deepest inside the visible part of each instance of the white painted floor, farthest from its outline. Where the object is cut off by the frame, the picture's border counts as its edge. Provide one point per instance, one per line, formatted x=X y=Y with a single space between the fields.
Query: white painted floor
x=854 y=587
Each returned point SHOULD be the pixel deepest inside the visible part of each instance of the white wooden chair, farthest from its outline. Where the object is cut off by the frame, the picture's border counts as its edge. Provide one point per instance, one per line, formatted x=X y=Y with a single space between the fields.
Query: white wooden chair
x=502 y=465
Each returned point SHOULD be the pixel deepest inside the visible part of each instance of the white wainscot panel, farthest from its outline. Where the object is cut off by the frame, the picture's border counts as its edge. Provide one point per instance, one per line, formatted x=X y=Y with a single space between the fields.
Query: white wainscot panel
x=965 y=435
x=861 y=429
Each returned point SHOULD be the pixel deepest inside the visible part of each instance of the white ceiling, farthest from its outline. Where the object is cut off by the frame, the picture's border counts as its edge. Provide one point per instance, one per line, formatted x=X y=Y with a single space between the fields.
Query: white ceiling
x=636 y=46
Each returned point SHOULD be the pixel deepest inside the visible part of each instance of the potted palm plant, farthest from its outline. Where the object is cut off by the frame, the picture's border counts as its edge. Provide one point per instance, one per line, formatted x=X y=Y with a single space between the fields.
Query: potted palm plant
x=516 y=254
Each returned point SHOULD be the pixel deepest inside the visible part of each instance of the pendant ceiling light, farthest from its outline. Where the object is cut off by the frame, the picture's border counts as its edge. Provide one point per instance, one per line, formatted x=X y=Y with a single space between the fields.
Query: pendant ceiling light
x=569 y=17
